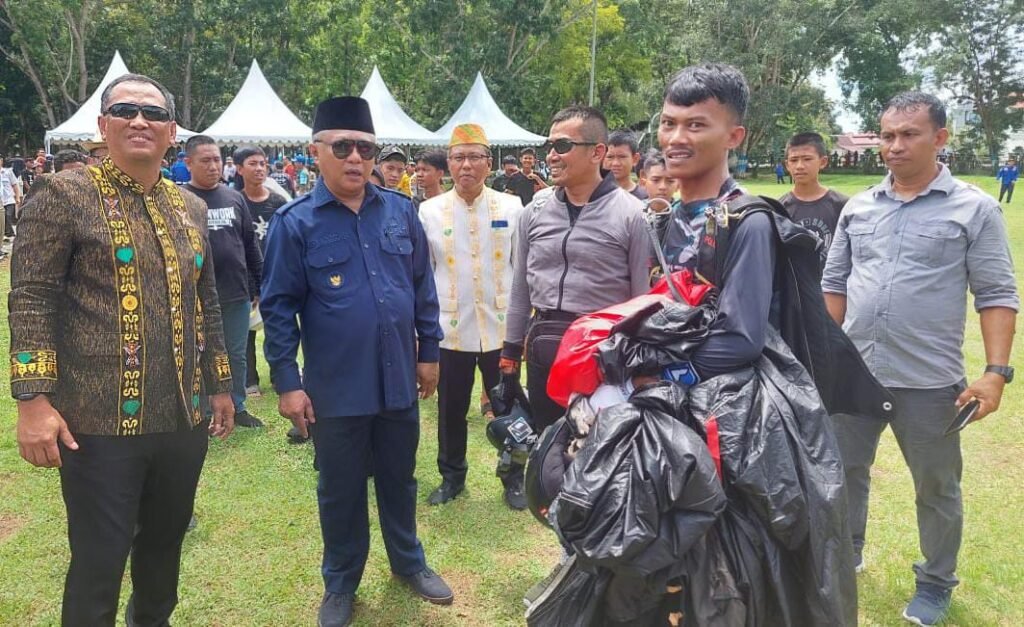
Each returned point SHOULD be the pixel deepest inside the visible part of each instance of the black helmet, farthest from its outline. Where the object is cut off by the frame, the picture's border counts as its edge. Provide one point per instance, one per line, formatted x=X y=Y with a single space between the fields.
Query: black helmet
x=513 y=436
x=546 y=467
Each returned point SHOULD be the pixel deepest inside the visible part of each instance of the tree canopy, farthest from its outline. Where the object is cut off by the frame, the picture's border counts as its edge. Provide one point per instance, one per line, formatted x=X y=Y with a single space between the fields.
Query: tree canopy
x=534 y=55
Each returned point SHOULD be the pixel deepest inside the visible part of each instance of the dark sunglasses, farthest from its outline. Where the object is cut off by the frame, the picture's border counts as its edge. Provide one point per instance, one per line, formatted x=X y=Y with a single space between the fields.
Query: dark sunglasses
x=562 y=146
x=128 y=111
x=343 y=148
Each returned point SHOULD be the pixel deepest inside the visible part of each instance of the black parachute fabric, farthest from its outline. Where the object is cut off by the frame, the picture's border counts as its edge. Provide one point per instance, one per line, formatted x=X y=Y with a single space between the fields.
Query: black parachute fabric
x=640 y=493
x=646 y=345
x=786 y=530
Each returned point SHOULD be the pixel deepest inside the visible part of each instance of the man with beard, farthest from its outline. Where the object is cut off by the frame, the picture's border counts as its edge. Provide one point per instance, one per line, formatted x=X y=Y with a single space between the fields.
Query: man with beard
x=580 y=248
x=348 y=277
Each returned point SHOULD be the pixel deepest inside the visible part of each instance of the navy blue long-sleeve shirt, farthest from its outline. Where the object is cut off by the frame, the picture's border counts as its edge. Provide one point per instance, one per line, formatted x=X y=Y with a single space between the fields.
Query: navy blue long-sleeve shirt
x=357 y=291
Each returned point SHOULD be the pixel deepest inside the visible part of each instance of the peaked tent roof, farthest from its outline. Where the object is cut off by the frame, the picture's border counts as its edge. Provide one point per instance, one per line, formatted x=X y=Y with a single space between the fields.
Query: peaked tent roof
x=257 y=115
x=81 y=127
x=391 y=123
x=479 y=107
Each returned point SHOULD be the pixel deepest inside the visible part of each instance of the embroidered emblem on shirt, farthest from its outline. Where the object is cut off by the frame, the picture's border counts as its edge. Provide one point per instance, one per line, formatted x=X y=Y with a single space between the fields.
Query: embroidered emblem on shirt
x=27 y=365
x=336 y=280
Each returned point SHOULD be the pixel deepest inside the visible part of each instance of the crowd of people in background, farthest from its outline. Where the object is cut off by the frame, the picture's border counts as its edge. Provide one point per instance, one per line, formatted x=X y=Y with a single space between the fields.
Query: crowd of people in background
x=426 y=284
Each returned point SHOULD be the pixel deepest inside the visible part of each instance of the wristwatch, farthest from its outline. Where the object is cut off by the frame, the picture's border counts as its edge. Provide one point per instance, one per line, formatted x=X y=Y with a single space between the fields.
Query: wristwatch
x=1005 y=371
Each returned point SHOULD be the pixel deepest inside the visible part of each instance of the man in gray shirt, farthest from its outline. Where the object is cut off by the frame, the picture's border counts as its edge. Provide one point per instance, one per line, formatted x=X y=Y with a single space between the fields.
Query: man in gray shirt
x=582 y=248
x=904 y=255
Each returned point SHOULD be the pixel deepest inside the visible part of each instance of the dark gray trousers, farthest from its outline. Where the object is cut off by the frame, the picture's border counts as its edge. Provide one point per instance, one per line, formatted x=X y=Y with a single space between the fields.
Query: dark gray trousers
x=935 y=464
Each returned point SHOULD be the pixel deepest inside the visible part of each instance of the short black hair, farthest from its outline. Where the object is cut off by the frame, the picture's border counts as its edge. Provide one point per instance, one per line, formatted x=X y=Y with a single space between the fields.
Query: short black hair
x=527 y=151
x=807 y=139
x=913 y=100
x=509 y=160
x=436 y=158
x=242 y=154
x=196 y=141
x=136 y=78
x=624 y=137
x=67 y=156
x=698 y=83
x=595 y=125
x=652 y=159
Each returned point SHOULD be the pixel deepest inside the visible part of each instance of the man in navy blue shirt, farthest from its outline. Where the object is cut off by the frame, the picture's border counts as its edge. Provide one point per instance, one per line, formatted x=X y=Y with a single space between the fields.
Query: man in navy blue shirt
x=348 y=276
x=1007 y=176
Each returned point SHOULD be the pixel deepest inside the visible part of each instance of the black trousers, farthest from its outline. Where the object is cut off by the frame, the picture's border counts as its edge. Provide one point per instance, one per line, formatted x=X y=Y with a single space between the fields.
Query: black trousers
x=454 y=396
x=10 y=219
x=542 y=340
x=346 y=447
x=128 y=495
x=252 y=376
x=1007 y=189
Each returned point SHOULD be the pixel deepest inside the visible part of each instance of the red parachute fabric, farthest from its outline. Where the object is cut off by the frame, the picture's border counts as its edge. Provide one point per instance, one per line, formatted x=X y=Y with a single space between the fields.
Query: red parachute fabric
x=575 y=369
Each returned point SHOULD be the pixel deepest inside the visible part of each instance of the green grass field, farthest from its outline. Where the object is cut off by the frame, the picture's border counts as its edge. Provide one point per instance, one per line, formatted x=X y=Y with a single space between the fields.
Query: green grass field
x=255 y=558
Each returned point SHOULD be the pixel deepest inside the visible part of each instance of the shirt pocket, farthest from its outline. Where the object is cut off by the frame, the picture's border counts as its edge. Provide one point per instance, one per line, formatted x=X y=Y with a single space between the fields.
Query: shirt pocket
x=397 y=258
x=327 y=275
x=936 y=243
x=862 y=241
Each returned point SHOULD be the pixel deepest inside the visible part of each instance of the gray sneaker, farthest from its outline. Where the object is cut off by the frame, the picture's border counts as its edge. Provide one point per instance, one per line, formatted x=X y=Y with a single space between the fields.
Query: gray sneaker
x=929 y=605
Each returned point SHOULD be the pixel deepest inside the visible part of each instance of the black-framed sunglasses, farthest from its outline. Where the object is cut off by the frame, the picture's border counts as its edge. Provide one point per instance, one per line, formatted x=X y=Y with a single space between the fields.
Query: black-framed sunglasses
x=128 y=111
x=343 y=148
x=563 y=145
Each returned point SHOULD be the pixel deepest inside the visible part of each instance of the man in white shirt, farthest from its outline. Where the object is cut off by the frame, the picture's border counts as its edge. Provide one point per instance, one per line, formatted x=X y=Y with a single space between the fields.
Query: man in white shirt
x=10 y=196
x=471 y=233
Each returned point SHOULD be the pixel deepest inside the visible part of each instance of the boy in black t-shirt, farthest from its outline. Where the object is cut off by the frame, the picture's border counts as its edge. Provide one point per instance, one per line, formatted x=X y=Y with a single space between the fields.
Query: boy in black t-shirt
x=811 y=204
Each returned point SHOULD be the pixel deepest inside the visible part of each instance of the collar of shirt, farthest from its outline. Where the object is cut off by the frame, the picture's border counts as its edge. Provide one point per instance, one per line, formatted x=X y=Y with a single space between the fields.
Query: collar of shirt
x=323 y=196
x=118 y=175
x=696 y=208
x=942 y=183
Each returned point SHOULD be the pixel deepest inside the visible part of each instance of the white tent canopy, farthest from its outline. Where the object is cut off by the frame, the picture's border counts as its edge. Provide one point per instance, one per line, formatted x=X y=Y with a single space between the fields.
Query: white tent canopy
x=392 y=124
x=81 y=127
x=258 y=116
x=480 y=108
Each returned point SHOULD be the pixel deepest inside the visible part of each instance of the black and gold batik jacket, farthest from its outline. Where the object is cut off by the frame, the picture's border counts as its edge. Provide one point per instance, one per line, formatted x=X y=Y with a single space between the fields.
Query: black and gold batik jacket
x=113 y=306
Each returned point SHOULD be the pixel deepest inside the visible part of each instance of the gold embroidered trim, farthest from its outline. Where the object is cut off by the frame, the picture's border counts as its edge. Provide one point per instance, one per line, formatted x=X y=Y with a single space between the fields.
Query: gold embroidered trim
x=124 y=257
x=498 y=251
x=195 y=240
x=33 y=365
x=223 y=367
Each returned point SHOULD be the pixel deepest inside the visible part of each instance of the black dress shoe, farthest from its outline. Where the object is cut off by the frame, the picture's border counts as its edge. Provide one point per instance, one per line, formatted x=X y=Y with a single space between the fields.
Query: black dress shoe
x=335 y=610
x=430 y=587
x=245 y=419
x=294 y=437
x=514 y=495
x=445 y=492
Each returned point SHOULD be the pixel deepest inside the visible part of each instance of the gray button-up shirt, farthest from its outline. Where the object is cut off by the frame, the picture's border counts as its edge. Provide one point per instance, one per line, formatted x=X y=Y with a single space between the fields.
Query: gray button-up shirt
x=905 y=267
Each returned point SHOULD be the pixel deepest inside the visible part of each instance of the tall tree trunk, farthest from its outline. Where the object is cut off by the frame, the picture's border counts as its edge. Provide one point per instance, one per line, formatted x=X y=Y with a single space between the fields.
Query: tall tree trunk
x=186 y=86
